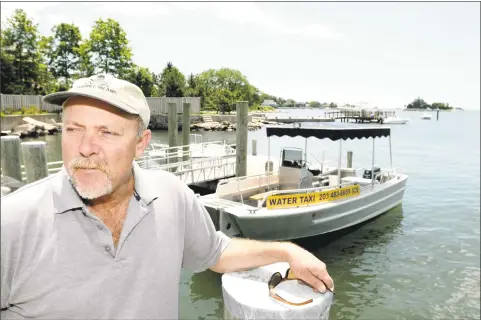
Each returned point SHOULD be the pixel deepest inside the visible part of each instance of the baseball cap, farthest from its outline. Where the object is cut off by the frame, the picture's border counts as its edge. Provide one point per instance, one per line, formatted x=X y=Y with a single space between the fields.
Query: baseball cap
x=106 y=87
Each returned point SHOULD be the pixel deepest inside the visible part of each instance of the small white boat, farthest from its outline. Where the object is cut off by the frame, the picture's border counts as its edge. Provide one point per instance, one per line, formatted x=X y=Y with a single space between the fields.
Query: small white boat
x=159 y=154
x=426 y=116
x=196 y=149
x=394 y=120
x=296 y=201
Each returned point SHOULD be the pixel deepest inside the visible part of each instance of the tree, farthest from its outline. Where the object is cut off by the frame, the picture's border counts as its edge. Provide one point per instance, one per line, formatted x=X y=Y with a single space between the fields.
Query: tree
x=418 y=103
x=65 y=55
x=441 y=106
x=192 y=89
x=332 y=105
x=290 y=103
x=315 y=104
x=141 y=77
x=213 y=84
x=21 y=55
x=6 y=70
x=106 y=51
x=172 y=82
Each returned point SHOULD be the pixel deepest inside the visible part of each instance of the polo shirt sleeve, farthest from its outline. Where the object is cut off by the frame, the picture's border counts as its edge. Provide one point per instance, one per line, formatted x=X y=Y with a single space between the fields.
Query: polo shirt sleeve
x=5 y=274
x=9 y=245
x=203 y=245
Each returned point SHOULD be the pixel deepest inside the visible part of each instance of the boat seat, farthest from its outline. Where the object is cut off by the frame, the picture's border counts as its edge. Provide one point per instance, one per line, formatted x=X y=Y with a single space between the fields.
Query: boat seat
x=359 y=180
x=258 y=196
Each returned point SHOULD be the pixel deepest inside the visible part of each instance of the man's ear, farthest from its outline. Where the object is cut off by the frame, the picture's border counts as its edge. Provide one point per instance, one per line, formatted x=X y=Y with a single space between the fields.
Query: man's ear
x=142 y=143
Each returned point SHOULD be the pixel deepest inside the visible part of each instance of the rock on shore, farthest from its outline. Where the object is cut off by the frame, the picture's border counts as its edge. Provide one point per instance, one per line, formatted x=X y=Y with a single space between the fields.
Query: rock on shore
x=226 y=126
x=34 y=130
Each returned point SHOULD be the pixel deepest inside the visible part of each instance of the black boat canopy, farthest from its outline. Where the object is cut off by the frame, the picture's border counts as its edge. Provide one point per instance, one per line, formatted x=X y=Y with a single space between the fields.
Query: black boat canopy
x=331 y=132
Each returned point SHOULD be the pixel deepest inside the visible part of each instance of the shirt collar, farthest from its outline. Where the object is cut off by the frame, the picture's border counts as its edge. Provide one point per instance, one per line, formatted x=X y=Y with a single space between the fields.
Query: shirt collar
x=143 y=187
x=66 y=198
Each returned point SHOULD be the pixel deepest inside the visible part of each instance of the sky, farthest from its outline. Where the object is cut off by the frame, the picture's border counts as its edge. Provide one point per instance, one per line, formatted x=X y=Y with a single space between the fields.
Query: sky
x=383 y=54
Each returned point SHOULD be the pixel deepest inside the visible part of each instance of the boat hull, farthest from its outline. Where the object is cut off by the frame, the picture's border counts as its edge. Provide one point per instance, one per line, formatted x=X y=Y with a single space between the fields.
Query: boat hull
x=297 y=223
x=395 y=121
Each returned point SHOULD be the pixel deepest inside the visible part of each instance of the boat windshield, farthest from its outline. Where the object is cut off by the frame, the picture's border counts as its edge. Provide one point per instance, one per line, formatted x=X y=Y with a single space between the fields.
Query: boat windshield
x=292 y=157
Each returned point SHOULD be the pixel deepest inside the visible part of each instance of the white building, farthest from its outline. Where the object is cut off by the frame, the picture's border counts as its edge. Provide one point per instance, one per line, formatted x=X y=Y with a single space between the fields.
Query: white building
x=270 y=103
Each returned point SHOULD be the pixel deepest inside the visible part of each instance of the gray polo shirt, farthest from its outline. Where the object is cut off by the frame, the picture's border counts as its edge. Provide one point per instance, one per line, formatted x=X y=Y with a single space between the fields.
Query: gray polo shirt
x=58 y=261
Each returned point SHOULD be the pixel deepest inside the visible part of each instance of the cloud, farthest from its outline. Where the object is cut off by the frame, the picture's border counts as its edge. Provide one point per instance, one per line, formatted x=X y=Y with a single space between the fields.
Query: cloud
x=252 y=14
x=32 y=9
x=133 y=9
x=246 y=13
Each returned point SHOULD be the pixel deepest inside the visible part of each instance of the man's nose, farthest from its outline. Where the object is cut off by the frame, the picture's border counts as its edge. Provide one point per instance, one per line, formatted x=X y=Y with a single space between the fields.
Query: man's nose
x=89 y=145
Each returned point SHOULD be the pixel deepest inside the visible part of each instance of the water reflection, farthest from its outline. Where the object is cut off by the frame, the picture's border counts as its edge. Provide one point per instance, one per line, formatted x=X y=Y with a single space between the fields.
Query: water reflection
x=355 y=256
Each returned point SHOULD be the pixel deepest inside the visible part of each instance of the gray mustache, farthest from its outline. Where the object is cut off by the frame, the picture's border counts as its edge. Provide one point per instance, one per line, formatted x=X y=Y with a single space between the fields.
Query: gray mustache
x=86 y=163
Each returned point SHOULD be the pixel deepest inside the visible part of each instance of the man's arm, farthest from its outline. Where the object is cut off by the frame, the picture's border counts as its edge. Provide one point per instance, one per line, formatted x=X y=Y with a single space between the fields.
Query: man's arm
x=243 y=254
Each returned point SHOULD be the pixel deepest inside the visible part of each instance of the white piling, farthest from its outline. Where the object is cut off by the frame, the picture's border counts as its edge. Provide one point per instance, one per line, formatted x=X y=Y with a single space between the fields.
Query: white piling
x=35 y=160
x=246 y=296
x=11 y=157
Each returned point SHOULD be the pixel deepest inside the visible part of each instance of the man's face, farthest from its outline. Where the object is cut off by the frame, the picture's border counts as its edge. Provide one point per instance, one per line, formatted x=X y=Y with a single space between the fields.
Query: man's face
x=99 y=144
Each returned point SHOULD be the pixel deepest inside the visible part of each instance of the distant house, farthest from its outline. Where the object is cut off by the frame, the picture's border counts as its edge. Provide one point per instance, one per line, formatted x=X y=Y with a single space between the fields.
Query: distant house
x=270 y=103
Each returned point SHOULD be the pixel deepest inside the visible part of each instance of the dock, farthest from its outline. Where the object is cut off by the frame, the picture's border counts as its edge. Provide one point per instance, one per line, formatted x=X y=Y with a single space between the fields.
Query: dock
x=291 y=119
x=359 y=116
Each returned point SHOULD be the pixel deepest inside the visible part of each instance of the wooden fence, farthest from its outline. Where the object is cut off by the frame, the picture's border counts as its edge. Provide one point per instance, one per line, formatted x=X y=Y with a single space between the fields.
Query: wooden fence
x=158 y=105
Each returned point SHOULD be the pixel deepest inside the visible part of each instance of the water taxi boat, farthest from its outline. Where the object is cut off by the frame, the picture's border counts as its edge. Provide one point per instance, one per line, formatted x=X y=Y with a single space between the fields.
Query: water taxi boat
x=296 y=201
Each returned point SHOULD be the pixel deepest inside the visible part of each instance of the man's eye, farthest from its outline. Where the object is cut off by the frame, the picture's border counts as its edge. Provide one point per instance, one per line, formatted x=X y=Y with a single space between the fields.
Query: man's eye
x=109 y=133
x=72 y=129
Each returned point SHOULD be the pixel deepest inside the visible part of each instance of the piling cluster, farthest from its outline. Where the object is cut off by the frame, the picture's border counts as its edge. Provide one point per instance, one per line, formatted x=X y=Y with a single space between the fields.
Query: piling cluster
x=34 y=156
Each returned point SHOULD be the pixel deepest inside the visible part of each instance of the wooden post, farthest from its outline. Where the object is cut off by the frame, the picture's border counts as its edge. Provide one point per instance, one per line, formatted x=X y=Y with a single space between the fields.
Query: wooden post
x=254 y=147
x=437 y=115
x=172 y=128
x=35 y=159
x=186 y=129
x=241 y=138
x=349 y=159
x=172 y=124
x=11 y=158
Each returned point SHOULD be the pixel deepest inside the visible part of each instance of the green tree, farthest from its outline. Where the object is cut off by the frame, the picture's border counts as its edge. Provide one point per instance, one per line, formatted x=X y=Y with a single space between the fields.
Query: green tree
x=315 y=104
x=441 y=106
x=172 y=82
x=290 y=103
x=141 y=77
x=65 y=55
x=333 y=105
x=6 y=68
x=192 y=89
x=215 y=83
x=418 y=103
x=106 y=51
x=20 y=54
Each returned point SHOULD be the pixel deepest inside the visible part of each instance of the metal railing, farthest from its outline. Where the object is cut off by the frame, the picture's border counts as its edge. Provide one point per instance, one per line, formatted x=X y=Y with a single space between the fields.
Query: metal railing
x=201 y=166
x=391 y=173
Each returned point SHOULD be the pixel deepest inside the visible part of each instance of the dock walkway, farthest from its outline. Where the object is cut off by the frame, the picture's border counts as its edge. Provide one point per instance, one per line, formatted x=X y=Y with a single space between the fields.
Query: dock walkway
x=359 y=116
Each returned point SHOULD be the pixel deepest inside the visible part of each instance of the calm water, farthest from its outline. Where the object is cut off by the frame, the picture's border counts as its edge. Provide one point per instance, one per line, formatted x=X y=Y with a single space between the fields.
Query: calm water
x=420 y=260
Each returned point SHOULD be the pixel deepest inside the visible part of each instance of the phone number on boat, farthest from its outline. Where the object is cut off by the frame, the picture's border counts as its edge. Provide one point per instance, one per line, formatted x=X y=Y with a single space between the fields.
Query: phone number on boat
x=306 y=199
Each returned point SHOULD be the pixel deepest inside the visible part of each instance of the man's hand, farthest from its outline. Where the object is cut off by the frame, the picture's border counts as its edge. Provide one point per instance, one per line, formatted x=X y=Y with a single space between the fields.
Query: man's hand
x=244 y=254
x=309 y=269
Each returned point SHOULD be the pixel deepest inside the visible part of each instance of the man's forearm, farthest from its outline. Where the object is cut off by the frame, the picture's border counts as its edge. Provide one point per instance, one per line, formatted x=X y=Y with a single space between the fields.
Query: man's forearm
x=243 y=254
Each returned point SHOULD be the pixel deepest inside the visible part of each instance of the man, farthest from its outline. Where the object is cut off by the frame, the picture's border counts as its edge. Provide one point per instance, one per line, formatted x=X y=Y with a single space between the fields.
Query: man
x=104 y=239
